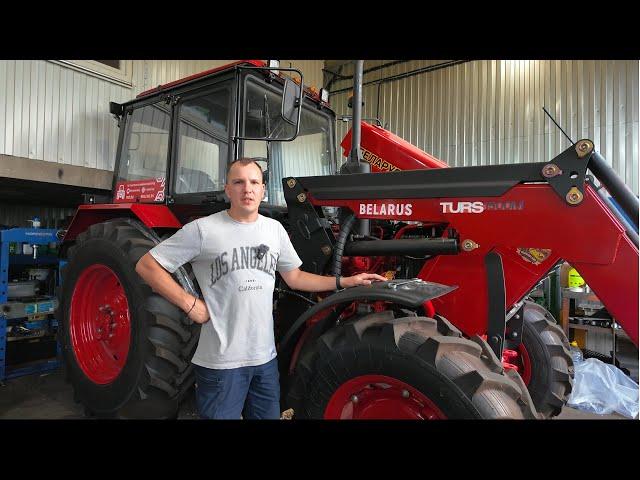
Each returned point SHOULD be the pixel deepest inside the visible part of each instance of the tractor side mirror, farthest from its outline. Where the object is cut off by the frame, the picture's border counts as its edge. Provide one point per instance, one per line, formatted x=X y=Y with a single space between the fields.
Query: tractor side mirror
x=267 y=114
x=291 y=99
x=115 y=109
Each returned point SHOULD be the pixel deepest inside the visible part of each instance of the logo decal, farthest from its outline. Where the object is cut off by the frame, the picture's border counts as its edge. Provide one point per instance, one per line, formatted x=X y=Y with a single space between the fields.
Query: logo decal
x=386 y=209
x=479 y=207
x=462 y=207
x=534 y=255
x=378 y=162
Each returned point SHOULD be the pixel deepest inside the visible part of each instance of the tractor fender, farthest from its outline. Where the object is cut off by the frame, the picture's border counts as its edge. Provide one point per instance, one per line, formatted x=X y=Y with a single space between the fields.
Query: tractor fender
x=85 y=217
x=152 y=216
x=409 y=293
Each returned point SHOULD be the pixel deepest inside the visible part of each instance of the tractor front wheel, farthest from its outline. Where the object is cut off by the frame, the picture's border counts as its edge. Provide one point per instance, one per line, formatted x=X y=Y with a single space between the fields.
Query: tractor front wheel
x=404 y=368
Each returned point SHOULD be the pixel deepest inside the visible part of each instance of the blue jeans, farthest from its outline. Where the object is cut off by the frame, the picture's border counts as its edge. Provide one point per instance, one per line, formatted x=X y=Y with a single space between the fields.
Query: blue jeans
x=253 y=392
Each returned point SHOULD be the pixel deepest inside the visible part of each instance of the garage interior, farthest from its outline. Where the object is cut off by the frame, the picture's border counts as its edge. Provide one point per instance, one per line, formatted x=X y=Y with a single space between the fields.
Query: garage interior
x=59 y=138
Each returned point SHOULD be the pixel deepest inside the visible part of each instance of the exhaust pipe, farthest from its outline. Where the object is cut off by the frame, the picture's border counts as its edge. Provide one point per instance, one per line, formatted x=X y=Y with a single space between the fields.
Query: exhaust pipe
x=356 y=155
x=354 y=163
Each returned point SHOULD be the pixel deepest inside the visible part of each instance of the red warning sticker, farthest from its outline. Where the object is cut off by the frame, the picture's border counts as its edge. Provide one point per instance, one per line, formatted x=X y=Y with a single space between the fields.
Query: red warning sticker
x=140 y=191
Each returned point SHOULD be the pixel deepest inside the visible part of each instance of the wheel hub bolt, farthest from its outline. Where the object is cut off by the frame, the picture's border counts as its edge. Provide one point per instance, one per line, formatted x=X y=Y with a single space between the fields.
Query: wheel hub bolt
x=405 y=394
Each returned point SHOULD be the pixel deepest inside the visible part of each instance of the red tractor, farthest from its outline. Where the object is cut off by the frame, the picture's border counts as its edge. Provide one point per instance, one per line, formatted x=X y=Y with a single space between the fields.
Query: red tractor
x=450 y=335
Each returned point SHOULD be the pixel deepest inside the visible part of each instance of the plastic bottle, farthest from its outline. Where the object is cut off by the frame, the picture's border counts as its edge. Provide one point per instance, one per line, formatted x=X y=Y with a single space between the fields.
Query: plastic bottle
x=576 y=353
x=574 y=280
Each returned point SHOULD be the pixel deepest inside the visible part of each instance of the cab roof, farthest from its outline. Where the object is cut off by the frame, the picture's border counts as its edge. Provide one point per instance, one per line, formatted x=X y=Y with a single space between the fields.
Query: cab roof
x=256 y=63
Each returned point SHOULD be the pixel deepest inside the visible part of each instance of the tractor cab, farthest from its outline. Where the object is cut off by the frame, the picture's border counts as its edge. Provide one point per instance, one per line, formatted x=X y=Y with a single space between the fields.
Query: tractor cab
x=177 y=139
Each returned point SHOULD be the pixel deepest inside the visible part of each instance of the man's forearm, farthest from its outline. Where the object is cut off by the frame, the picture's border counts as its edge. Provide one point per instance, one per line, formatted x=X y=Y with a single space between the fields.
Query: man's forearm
x=163 y=283
x=309 y=282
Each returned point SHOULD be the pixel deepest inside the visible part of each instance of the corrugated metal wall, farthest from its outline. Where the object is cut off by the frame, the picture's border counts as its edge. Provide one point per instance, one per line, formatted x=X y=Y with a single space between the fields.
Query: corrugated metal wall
x=490 y=112
x=54 y=113
x=50 y=217
x=311 y=69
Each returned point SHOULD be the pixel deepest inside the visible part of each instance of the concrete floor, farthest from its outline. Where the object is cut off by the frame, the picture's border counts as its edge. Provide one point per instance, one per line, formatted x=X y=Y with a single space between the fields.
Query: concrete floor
x=47 y=396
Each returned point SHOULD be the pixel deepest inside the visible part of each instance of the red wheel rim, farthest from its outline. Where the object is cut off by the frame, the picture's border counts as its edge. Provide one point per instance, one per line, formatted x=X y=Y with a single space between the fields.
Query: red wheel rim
x=380 y=397
x=99 y=324
x=523 y=362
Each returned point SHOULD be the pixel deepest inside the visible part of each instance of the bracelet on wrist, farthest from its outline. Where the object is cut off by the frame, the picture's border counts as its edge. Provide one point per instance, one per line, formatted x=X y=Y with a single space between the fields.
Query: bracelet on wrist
x=195 y=299
x=338 y=286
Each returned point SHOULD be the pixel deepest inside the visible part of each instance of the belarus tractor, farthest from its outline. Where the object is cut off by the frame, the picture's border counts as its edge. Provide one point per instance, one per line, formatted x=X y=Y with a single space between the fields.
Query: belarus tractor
x=449 y=335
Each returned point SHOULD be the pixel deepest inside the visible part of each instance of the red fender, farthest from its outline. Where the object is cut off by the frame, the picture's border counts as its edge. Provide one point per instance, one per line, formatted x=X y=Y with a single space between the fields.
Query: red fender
x=153 y=216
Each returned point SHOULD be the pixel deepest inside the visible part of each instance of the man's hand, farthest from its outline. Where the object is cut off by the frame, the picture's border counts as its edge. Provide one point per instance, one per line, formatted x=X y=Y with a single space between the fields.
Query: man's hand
x=361 y=279
x=199 y=312
x=296 y=279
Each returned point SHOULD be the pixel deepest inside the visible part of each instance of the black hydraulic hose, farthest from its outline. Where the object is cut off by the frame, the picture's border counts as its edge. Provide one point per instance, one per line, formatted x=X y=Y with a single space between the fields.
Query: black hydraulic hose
x=418 y=247
x=619 y=191
x=295 y=294
x=341 y=242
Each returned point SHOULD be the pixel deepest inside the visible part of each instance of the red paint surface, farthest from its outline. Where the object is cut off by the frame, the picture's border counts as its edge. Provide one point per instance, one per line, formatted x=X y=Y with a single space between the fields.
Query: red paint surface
x=99 y=324
x=380 y=397
x=587 y=236
x=153 y=216
x=387 y=152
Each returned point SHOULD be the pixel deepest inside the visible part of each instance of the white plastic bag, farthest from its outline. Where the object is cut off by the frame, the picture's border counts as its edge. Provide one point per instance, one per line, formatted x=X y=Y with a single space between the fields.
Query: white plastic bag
x=603 y=388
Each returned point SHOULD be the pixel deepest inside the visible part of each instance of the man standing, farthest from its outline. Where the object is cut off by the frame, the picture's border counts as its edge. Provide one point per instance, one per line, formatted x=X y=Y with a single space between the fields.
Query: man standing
x=234 y=255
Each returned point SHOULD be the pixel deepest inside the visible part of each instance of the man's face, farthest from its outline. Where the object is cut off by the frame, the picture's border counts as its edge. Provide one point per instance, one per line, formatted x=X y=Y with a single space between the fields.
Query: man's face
x=244 y=187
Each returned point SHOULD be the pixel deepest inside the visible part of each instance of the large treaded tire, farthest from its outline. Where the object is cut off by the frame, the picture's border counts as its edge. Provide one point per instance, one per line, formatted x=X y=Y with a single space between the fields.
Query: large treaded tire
x=550 y=361
x=158 y=372
x=462 y=377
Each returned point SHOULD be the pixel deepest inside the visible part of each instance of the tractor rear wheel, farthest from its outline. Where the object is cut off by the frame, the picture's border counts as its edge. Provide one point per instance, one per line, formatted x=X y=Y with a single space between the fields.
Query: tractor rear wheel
x=126 y=350
x=544 y=360
x=404 y=368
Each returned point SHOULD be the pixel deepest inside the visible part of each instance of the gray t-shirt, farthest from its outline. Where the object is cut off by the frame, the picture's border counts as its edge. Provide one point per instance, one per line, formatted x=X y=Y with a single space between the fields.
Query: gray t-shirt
x=236 y=285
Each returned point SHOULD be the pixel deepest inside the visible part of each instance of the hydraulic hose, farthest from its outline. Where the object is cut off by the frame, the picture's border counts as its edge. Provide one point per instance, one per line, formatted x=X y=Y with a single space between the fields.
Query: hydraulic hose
x=295 y=294
x=417 y=247
x=341 y=242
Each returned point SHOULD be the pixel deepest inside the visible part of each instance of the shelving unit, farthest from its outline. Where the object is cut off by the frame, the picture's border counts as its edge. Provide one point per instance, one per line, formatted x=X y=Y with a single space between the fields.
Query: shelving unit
x=590 y=328
x=608 y=340
x=574 y=331
x=27 y=322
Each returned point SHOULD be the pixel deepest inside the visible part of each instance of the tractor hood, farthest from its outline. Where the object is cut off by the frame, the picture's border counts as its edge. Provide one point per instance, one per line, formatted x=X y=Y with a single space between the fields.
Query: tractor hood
x=387 y=152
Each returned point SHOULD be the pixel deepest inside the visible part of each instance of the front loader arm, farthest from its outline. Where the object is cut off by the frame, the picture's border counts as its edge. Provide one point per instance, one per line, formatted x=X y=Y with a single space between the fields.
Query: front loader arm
x=531 y=242
x=527 y=217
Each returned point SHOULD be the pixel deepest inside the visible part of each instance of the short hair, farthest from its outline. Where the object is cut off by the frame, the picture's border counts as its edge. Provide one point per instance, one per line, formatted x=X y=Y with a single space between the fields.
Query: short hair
x=244 y=161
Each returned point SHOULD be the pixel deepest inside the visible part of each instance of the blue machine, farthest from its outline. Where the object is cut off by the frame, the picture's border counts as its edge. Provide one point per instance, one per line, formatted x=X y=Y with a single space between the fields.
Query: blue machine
x=29 y=274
